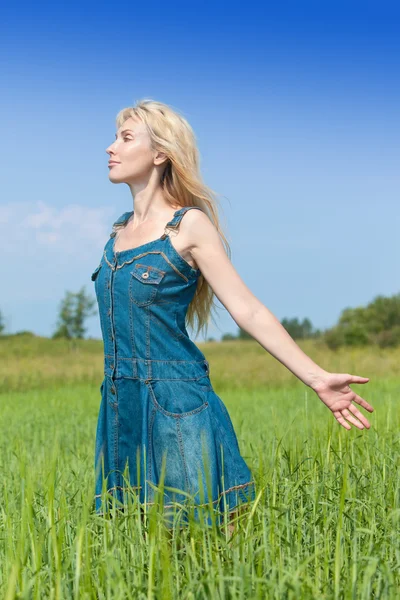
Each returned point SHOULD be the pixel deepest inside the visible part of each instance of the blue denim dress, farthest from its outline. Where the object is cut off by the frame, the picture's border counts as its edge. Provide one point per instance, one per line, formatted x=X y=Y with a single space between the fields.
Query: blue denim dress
x=157 y=400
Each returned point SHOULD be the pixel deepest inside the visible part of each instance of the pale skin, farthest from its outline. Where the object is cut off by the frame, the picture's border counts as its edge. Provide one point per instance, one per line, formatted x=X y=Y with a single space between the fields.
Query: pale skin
x=199 y=243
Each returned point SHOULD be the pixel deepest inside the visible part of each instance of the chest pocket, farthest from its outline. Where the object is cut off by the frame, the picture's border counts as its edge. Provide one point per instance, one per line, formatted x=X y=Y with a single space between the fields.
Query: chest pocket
x=144 y=284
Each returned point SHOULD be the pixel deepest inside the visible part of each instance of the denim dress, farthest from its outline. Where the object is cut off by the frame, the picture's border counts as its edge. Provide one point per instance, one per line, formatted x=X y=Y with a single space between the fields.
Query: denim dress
x=159 y=413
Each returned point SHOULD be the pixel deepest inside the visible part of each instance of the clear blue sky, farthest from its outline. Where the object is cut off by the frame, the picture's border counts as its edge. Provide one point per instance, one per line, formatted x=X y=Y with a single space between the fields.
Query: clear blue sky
x=295 y=106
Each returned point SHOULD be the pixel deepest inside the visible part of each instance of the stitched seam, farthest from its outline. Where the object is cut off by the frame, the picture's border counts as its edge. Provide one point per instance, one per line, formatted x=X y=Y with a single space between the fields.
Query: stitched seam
x=128 y=262
x=160 y=359
x=167 y=413
x=205 y=388
x=142 y=303
x=228 y=418
x=184 y=262
x=176 y=335
x=112 y=403
x=150 y=439
x=151 y=282
x=132 y=330
x=174 y=225
x=224 y=436
x=147 y=326
x=150 y=267
x=116 y=447
x=107 y=261
x=181 y=450
x=106 y=304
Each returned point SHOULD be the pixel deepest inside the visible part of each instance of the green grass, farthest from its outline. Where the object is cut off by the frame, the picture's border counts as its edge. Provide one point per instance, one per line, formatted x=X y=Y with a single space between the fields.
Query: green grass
x=325 y=522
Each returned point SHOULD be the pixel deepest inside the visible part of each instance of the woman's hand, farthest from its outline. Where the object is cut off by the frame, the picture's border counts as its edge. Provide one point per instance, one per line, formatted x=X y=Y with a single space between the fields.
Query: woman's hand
x=334 y=391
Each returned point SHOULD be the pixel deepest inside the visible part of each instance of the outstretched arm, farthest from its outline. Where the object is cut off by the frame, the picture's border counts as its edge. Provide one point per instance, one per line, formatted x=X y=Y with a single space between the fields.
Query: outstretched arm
x=206 y=247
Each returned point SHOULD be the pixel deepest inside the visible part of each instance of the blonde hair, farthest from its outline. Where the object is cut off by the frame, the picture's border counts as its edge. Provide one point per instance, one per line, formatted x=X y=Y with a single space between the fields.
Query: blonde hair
x=182 y=184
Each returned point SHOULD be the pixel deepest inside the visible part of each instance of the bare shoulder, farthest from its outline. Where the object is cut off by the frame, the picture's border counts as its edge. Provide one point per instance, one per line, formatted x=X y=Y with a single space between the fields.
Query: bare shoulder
x=197 y=228
x=206 y=249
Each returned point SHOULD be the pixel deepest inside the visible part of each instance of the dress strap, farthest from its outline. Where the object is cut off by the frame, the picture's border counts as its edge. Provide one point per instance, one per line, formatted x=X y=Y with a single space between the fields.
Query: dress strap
x=177 y=218
x=122 y=219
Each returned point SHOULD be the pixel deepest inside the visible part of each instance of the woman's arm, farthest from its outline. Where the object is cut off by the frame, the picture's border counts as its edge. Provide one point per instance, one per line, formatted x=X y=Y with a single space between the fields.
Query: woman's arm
x=206 y=247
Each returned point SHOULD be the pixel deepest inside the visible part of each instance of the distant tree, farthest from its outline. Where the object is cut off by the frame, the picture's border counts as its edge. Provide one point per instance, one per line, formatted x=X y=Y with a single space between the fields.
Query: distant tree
x=299 y=330
x=377 y=323
x=295 y=329
x=228 y=336
x=389 y=338
x=26 y=333
x=74 y=310
x=334 y=338
x=2 y=324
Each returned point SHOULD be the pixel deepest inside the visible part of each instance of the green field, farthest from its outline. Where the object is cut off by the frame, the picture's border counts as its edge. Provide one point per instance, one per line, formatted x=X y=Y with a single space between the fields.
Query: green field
x=325 y=522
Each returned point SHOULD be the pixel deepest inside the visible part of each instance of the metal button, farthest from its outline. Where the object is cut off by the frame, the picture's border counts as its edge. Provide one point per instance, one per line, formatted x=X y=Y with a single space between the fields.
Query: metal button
x=145 y=275
x=111 y=366
x=113 y=390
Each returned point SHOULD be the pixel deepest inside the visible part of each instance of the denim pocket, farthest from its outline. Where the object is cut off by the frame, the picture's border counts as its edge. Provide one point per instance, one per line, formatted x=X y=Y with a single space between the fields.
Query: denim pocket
x=144 y=284
x=179 y=398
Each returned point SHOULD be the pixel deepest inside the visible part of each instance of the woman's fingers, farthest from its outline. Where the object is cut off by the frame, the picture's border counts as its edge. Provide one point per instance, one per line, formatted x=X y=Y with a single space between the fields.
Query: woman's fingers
x=362 y=403
x=358 y=420
x=358 y=379
x=346 y=414
x=357 y=413
x=341 y=420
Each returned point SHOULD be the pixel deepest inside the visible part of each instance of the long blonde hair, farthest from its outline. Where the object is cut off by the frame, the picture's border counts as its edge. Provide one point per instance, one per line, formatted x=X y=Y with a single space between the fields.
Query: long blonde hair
x=182 y=184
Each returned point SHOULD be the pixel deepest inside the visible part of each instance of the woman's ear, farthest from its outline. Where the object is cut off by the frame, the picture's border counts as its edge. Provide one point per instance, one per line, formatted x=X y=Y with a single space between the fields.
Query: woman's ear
x=160 y=158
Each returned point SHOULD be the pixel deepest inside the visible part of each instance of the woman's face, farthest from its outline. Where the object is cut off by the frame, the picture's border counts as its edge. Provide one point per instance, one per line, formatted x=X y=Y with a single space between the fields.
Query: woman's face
x=132 y=153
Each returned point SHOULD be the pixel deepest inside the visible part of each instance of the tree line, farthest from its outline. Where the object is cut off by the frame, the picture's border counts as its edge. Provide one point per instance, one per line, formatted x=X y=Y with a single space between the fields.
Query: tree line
x=378 y=324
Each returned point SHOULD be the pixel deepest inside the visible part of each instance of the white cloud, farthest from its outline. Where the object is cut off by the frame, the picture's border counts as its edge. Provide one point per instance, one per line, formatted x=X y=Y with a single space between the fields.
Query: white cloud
x=35 y=226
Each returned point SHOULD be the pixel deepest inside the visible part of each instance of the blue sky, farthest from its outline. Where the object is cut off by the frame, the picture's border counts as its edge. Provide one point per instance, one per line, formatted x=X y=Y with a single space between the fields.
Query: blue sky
x=296 y=111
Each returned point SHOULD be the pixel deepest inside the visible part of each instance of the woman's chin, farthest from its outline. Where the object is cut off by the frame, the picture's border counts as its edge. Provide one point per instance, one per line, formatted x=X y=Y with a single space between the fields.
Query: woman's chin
x=115 y=178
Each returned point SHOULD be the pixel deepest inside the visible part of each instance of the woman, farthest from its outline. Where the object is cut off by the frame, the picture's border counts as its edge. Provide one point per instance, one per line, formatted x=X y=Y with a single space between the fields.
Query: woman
x=160 y=421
